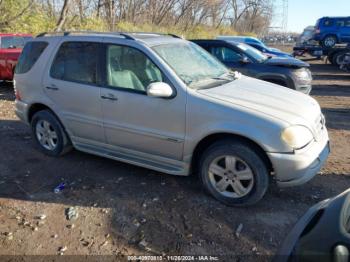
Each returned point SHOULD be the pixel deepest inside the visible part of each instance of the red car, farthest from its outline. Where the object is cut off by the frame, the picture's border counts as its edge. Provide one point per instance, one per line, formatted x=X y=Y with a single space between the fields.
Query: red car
x=10 y=48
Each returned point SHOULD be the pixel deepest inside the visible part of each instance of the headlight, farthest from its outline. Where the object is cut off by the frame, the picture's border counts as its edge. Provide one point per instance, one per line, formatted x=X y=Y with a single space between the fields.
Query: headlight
x=303 y=74
x=297 y=136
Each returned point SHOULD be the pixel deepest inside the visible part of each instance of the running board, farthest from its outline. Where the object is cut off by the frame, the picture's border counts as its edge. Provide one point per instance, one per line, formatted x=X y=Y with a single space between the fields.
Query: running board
x=133 y=159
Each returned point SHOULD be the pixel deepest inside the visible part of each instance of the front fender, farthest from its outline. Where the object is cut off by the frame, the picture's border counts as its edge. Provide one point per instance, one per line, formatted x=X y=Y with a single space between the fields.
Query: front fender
x=269 y=141
x=203 y=121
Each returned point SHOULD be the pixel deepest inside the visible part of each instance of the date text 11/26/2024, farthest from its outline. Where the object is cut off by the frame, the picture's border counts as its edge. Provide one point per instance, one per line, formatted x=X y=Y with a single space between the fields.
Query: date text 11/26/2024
x=173 y=258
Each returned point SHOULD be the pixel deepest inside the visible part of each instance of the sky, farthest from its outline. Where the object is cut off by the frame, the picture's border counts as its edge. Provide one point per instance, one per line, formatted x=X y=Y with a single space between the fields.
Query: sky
x=302 y=13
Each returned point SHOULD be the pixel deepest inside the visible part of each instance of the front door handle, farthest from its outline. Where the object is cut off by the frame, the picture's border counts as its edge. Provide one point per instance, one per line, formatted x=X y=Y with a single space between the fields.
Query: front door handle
x=109 y=97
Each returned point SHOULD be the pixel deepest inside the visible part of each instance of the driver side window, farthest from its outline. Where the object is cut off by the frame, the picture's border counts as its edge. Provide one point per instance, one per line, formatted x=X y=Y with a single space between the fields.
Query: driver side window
x=129 y=68
x=225 y=54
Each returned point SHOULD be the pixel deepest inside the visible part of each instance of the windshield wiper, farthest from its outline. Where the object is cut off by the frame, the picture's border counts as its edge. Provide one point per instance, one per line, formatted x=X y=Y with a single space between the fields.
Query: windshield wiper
x=226 y=77
x=221 y=79
x=229 y=76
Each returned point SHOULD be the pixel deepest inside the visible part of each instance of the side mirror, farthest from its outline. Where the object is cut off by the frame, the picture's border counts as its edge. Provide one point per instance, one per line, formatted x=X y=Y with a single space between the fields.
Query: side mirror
x=160 y=89
x=245 y=60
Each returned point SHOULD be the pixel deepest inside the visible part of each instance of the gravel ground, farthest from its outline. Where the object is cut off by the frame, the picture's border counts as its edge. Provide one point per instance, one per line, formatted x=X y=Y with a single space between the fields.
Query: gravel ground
x=126 y=210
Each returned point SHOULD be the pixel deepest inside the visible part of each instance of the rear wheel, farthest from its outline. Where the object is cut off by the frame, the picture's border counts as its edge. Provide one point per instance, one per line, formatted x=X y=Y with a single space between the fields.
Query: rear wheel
x=49 y=134
x=234 y=173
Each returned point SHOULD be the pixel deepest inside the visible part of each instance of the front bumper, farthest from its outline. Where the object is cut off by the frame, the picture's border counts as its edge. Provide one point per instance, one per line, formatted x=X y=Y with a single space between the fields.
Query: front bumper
x=300 y=167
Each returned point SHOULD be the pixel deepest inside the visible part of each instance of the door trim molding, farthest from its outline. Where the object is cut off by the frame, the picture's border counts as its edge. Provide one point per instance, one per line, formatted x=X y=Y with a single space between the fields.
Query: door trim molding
x=143 y=132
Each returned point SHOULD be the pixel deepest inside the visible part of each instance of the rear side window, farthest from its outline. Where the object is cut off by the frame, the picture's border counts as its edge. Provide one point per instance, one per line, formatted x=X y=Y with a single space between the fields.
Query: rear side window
x=347 y=23
x=76 y=62
x=30 y=54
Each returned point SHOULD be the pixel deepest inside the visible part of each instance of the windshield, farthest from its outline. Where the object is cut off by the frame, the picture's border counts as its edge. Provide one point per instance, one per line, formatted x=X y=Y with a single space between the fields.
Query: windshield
x=196 y=67
x=261 y=43
x=252 y=52
x=318 y=23
x=308 y=33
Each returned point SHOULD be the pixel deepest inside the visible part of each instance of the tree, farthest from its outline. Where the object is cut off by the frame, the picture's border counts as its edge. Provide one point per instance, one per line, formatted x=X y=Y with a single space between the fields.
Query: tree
x=63 y=15
x=11 y=11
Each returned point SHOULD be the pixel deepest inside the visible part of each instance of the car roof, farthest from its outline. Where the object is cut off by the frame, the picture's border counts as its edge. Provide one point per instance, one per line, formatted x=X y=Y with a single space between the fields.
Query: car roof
x=218 y=41
x=209 y=41
x=335 y=17
x=237 y=37
x=150 y=39
x=243 y=39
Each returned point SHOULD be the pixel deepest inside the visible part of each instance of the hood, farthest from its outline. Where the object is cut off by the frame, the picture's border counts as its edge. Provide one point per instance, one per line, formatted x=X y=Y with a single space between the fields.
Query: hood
x=286 y=62
x=279 y=102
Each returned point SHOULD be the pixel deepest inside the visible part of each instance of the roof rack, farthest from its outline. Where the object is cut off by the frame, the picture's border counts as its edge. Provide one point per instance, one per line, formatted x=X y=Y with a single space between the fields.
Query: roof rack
x=160 y=34
x=127 y=35
x=66 y=33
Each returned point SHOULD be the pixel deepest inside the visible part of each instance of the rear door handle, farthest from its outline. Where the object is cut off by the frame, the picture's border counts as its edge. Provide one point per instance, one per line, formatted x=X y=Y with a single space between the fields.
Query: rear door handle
x=109 y=97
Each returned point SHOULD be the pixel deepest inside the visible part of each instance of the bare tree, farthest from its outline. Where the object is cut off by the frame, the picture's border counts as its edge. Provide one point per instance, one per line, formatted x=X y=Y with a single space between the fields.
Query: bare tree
x=110 y=10
x=242 y=15
x=63 y=16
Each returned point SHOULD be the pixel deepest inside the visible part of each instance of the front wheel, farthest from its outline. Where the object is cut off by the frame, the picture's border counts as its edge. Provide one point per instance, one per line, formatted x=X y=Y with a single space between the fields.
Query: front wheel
x=234 y=173
x=329 y=41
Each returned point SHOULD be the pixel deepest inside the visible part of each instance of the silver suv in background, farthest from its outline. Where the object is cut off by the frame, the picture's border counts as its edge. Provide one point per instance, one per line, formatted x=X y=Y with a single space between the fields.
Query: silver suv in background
x=164 y=103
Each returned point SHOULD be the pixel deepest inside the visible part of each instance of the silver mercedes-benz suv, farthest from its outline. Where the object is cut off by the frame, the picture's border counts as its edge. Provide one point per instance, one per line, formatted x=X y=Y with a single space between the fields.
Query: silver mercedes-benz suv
x=164 y=103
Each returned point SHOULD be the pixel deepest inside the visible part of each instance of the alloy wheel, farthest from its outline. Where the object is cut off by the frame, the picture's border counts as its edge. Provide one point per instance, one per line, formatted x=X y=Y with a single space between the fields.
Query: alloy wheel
x=329 y=42
x=231 y=176
x=46 y=135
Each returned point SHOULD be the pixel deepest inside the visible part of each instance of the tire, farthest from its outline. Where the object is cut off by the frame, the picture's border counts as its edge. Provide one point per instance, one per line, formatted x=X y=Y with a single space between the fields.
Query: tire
x=55 y=141
x=329 y=41
x=244 y=159
x=338 y=58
